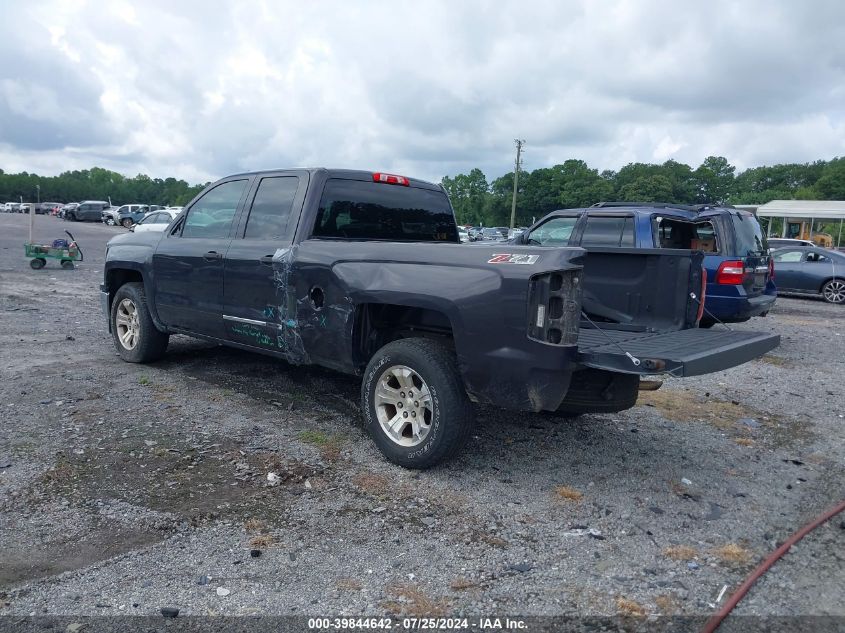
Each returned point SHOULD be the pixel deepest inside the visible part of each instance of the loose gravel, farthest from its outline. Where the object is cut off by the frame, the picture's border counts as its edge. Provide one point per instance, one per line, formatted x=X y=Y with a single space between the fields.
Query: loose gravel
x=125 y=489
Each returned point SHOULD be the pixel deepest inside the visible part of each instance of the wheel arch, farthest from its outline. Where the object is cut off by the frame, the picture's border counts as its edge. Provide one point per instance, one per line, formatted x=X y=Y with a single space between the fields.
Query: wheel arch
x=377 y=324
x=121 y=274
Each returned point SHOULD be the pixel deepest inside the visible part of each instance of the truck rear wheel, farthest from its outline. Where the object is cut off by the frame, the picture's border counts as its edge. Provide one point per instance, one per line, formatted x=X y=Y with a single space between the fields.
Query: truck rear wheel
x=599 y=391
x=414 y=403
x=136 y=337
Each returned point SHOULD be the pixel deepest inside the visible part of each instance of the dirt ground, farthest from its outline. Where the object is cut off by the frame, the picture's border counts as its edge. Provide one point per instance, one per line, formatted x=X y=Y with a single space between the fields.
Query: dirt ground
x=127 y=488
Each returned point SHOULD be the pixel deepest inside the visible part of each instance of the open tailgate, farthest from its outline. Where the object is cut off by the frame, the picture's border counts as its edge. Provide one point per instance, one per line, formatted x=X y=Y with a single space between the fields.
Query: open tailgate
x=680 y=353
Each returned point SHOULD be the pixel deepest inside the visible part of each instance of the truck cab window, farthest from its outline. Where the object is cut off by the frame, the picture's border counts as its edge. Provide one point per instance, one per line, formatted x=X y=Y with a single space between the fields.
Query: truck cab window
x=211 y=216
x=365 y=210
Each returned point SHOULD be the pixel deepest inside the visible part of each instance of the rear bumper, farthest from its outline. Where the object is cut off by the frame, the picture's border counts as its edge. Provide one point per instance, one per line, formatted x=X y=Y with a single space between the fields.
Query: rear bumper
x=682 y=353
x=533 y=378
x=738 y=308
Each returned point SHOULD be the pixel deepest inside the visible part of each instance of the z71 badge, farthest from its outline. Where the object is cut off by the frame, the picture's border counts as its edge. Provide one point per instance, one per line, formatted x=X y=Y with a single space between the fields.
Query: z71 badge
x=508 y=258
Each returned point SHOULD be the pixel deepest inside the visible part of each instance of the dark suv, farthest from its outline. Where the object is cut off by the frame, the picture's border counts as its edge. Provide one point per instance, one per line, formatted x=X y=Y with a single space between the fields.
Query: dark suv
x=88 y=210
x=740 y=274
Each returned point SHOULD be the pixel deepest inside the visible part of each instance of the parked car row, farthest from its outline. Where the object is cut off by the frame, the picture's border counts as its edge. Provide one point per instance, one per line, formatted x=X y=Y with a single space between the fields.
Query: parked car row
x=41 y=208
x=489 y=234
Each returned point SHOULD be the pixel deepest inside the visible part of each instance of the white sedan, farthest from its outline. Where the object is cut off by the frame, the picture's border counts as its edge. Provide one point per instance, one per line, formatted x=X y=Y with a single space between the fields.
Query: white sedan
x=155 y=221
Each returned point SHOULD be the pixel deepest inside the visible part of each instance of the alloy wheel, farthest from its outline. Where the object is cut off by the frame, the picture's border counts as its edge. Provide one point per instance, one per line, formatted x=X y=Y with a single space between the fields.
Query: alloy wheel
x=127 y=324
x=403 y=405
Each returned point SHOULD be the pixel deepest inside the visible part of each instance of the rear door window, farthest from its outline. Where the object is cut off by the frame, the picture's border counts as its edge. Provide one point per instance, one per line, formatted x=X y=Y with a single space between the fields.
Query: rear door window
x=364 y=210
x=271 y=207
x=789 y=257
x=677 y=233
x=608 y=231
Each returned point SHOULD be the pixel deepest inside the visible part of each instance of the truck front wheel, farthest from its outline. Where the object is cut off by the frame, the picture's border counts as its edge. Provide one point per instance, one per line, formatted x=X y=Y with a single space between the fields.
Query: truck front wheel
x=136 y=337
x=414 y=403
x=599 y=391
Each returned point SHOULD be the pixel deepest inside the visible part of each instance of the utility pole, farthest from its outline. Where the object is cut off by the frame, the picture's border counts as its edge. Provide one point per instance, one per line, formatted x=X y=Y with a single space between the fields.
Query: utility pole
x=519 y=144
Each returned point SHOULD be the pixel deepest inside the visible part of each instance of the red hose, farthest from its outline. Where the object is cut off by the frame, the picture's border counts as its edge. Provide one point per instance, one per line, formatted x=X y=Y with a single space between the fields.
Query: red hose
x=716 y=619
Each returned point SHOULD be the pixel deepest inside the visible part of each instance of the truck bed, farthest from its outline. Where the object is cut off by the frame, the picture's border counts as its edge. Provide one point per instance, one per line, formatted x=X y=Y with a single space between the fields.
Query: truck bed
x=689 y=352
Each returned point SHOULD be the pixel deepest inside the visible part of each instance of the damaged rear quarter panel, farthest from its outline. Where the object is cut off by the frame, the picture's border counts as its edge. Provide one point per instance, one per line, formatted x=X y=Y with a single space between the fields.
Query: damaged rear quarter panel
x=486 y=305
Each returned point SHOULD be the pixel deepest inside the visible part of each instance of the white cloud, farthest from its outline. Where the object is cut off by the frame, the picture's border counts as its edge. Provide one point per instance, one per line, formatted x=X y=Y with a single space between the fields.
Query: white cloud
x=197 y=90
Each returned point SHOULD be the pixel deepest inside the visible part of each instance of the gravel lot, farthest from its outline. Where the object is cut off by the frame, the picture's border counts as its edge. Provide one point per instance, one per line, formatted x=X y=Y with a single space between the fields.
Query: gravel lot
x=126 y=488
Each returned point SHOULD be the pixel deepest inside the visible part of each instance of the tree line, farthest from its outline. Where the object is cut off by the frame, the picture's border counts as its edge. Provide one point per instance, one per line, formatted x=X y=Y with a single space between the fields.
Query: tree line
x=95 y=184
x=480 y=202
x=575 y=184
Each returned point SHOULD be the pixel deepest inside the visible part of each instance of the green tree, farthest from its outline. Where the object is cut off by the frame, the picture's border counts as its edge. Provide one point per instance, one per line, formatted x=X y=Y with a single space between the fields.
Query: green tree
x=654 y=188
x=831 y=183
x=714 y=180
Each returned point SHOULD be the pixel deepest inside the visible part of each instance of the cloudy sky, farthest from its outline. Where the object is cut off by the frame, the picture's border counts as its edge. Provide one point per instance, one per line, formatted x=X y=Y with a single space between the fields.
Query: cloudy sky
x=198 y=89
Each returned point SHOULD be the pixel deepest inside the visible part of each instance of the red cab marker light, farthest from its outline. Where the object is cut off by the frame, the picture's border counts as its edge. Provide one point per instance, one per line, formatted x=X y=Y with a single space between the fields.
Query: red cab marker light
x=391 y=179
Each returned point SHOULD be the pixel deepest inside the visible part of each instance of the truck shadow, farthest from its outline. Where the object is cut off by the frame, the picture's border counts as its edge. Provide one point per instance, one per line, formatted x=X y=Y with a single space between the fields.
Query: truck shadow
x=504 y=441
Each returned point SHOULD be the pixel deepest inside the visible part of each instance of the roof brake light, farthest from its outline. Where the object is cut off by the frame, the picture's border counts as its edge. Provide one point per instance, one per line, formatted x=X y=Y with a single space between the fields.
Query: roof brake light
x=391 y=179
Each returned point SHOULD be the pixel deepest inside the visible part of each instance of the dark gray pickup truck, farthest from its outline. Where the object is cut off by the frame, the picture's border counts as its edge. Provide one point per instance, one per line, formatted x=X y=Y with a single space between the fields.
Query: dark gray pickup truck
x=364 y=273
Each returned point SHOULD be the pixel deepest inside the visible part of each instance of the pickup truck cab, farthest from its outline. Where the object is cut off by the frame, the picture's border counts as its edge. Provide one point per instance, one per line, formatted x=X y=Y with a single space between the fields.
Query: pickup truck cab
x=364 y=273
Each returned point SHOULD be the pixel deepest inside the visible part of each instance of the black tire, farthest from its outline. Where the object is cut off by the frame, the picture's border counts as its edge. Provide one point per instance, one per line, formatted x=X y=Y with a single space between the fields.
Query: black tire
x=127 y=223
x=599 y=391
x=110 y=221
x=150 y=343
x=833 y=291
x=37 y=263
x=449 y=414
x=67 y=264
x=71 y=217
x=706 y=325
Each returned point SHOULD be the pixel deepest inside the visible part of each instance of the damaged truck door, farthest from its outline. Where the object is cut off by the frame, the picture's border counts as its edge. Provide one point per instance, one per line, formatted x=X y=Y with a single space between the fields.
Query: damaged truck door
x=258 y=309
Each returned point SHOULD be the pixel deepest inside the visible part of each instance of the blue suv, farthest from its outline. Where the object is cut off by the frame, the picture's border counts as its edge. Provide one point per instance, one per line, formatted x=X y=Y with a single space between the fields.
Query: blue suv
x=740 y=272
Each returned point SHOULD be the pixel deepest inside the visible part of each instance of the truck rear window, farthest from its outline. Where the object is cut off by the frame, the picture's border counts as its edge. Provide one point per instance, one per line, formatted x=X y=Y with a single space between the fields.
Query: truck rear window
x=362 y=210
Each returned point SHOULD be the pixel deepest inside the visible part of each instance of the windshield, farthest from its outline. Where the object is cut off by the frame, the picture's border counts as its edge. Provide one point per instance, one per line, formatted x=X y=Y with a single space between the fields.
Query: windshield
x=749 y=237
x=555 y=232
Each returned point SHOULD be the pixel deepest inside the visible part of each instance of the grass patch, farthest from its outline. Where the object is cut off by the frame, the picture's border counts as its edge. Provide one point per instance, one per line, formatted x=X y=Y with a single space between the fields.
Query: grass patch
x=567 y=493
x=415 y=602
x=329 y=445
x=348 y=584
x=680 y=552
x=143 y=380
x=626 y=606
x=666 y=603
x=732 y=553
x=777 y=361
x=262 y=540
x=462 y=584
x=683 y=406
x=371 y=483
x=59 y=473
x=315 y=438
x=255 y=525
x=744 y=441
x=489 y=539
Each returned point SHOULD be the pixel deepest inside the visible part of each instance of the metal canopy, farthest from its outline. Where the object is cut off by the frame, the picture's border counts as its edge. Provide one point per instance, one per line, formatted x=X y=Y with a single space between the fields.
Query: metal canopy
x=822 y=210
